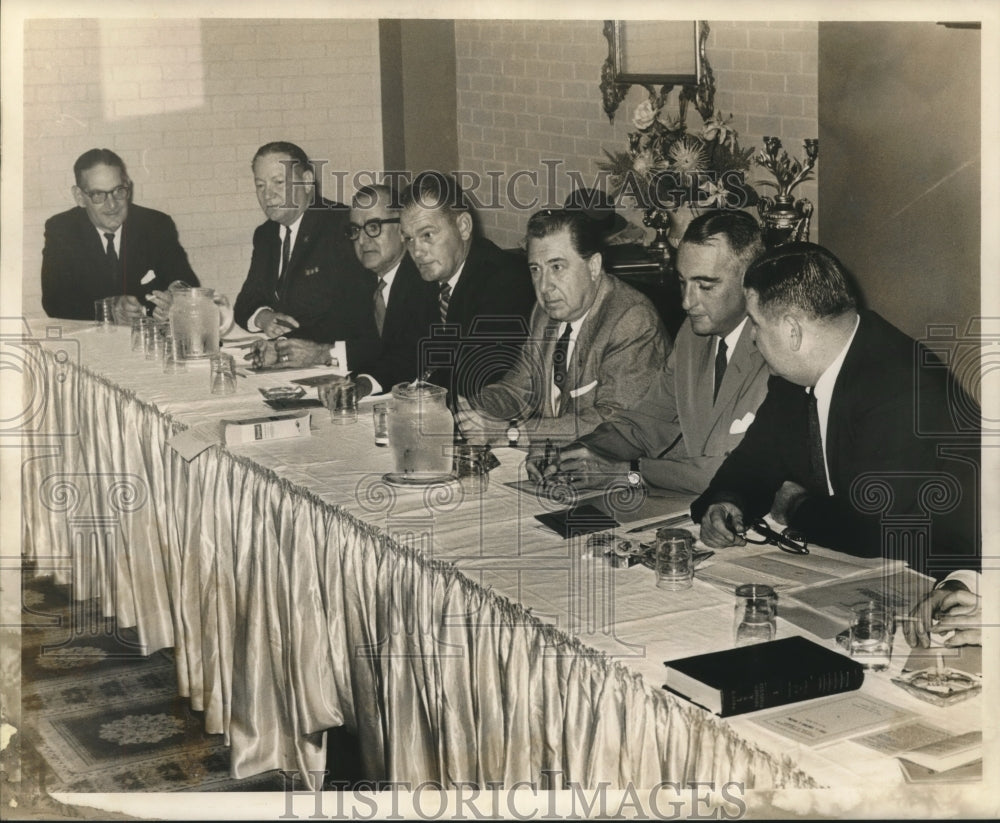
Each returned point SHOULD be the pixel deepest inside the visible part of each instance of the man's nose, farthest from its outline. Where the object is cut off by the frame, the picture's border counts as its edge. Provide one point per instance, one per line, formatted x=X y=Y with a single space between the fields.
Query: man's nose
x=688 y=297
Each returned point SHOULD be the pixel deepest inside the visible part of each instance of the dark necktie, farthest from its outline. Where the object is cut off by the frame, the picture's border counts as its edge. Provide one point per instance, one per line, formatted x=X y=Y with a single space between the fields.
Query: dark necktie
x=559 y=358
x=720 y=367
x=112 y=256
x=286 y=252
x=817 y=464
x=443 y=298
x=380 y=305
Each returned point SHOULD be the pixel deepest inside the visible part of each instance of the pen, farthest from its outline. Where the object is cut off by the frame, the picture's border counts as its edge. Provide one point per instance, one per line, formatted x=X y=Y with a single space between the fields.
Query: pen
x=670 y=521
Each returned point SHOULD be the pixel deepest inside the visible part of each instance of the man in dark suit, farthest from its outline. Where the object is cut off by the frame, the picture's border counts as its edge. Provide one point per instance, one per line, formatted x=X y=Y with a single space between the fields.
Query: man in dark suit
x=862 y=432
x=484 y=294
x=595 y=343
x=108 y=246
x=304 y=280
x=401 y=303
x=696 y=410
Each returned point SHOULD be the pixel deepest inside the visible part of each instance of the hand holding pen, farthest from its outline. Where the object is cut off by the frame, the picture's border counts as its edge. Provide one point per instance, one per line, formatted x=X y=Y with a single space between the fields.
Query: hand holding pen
x=722 y=525
x=543 y=464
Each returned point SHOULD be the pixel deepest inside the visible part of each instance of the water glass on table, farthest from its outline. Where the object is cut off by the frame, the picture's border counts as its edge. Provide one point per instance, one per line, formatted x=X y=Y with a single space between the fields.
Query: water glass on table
x=674 y=559
x=139 y=326
x=174 y=355
x=342 y=399
x=871 y=634
x=223 y=373
x=104 y=314
x=153 y=342
x=380 y=417
x=756 y=614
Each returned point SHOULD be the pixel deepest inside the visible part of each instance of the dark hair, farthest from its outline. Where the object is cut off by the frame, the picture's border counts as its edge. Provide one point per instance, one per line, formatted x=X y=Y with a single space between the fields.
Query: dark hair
x=95 y=157
x=584 y=232
x=741 y=231
x=368 y=196
x=302 y=162
x=433 y=190
x=803 y=276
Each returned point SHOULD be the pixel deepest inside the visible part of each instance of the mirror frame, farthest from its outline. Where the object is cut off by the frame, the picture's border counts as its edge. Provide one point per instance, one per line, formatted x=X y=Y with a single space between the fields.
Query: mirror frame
x=697 y=88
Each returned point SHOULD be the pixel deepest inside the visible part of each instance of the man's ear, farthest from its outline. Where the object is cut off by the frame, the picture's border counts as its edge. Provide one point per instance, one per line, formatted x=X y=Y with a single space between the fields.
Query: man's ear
x=79 y=197
x=594 y=265
x=792 y=329
x=464 y=222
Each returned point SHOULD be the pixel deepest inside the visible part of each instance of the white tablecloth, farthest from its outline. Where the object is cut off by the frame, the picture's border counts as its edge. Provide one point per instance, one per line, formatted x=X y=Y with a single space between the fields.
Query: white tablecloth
x=459 y=639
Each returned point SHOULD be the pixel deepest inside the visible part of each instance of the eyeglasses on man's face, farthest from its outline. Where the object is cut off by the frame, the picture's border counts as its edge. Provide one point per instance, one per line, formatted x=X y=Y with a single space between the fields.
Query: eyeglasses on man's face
x=373 y=227
x=97 y=197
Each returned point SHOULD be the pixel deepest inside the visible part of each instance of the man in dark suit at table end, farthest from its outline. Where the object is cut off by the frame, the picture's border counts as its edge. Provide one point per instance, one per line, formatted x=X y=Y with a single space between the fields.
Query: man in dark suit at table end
x=484 y=293
x=595 y=342
x=862 y=429
x=696 y=410
x=108 y=246
x=304 y=279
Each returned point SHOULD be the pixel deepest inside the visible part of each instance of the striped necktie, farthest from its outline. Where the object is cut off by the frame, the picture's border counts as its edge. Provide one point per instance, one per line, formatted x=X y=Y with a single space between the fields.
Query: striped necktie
x=443 y=297
x=380 y=305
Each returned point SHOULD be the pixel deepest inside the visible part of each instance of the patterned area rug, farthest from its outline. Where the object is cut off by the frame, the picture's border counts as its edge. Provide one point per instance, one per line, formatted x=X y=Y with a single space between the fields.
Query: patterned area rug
x=106 y=718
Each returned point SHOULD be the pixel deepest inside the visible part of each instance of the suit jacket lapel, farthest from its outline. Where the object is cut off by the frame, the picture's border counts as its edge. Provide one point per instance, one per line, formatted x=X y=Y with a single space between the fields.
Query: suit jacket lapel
x=576 y=369
x=844 y=389
x=735 y=369
x=303 y=241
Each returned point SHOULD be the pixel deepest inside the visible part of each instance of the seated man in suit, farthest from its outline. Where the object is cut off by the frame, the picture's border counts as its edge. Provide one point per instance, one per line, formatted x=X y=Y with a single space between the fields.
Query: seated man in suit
x=860 y=423
x=696 y=410
x=108 y=246
x=304 y=279
x=484 y=294
x=402 y=304
x=595 y=344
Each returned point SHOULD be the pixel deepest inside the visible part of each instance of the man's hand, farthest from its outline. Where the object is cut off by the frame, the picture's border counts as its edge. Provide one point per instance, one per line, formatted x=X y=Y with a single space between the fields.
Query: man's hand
x=263 y=353
x=786 y=500
x=162 y=301
x=586 y=470
x=329 y=391
x=946 y=610
x=127 y=308
x=723 y=526
x=301 y=353
x=274 y=323
x=477 y=428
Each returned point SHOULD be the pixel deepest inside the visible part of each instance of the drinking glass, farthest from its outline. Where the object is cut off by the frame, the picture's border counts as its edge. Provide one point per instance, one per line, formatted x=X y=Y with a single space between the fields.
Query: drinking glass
x=872 y=629
x=154 y=341
x=104 y=314
x=674 y=559
x=343 y=400
x=380 y=417
x=472 y=468
x=138 y=330
x=755 y=614
x=173 y=355
x=223 y=374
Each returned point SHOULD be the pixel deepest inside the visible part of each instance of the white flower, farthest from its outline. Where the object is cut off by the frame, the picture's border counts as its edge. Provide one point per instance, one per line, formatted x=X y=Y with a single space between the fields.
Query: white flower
x=644 y=115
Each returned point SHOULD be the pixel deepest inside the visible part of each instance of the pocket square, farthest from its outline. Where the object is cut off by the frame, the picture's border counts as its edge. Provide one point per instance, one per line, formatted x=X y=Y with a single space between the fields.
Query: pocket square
x=740 y=426
x=312 y=270
x=581 y=391
x=148 y=277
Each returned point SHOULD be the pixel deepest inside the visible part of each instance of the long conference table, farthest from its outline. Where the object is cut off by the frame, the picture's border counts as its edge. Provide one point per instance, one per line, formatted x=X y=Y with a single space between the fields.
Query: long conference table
x=456 y=637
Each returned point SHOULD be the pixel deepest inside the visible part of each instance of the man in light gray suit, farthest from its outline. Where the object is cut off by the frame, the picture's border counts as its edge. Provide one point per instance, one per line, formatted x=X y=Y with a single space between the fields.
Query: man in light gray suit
x=595 y=343
x=699 y=407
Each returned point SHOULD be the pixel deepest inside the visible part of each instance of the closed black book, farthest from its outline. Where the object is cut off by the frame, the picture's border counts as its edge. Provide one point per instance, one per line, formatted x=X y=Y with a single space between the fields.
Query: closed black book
x=748 y=678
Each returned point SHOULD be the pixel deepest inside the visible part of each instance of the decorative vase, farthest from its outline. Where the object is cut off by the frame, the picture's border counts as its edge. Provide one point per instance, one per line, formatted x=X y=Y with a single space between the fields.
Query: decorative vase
x=785 y=220
x=670 y=225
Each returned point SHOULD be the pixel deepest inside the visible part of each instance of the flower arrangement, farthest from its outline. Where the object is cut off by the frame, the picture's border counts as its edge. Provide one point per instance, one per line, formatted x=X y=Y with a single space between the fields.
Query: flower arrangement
x=667 y=166
x=788 y=173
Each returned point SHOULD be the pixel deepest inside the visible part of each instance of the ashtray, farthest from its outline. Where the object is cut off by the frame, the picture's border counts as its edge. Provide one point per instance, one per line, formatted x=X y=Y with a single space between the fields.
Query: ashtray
x=283 y=392
x=940 y=686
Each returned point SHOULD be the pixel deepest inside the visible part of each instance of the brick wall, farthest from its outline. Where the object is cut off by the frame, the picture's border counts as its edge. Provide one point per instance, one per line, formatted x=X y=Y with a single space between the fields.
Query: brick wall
x=528 y=93
x=186 y=103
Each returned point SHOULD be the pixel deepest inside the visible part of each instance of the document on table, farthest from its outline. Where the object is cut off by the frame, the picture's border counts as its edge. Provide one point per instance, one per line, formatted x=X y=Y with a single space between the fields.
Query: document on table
x=193 y=441
x=898 y=591
x=902 y=738
x=818 y=722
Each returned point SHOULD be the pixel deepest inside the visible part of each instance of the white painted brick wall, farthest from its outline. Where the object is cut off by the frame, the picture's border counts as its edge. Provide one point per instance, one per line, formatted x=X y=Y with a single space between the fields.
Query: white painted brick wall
x=186 y=103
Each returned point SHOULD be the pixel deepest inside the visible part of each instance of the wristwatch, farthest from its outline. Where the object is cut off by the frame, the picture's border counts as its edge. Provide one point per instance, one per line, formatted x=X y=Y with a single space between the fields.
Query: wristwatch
x=634 y=476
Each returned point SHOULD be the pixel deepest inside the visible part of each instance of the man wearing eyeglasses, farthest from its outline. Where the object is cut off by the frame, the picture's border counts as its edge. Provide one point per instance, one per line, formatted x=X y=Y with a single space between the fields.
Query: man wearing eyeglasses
x=401 y=303
x=862 y=432
x=304 y=280
x=108 y=246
